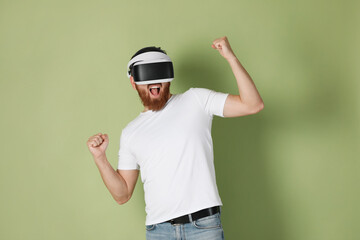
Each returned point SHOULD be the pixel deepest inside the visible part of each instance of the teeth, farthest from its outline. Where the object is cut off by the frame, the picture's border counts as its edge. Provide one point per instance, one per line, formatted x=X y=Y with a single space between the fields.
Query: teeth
x=155 y=85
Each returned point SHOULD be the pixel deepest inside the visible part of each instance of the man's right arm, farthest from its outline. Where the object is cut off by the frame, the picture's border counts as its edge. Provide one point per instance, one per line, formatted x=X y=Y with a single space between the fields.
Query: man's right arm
x=120 y=183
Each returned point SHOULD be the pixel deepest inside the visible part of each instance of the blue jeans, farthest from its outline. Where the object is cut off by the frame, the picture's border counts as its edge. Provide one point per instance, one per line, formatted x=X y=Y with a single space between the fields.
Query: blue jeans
x=207 y=228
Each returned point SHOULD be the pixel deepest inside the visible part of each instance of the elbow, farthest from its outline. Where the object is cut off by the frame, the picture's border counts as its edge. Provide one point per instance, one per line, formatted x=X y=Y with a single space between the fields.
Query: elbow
x=258 y=108
x=123 y=200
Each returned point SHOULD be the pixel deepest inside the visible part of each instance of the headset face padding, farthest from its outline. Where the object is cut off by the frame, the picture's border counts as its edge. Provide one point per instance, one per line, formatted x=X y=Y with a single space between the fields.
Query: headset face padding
x=151 y=67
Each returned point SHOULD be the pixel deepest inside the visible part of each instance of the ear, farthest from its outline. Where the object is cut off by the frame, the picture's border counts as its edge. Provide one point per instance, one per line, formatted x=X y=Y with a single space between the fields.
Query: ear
x=132 y=82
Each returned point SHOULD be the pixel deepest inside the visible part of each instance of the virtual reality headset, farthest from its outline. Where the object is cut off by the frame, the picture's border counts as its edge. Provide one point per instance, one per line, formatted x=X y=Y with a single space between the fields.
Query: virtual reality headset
x=150 y=68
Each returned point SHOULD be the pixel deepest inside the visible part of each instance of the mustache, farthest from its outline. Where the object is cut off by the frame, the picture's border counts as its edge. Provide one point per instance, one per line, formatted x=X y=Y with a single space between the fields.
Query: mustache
x=154 y=104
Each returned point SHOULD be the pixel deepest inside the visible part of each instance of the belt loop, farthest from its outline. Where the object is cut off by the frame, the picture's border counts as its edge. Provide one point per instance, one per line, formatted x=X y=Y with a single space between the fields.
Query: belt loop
x=190 y=217
x=210 y=210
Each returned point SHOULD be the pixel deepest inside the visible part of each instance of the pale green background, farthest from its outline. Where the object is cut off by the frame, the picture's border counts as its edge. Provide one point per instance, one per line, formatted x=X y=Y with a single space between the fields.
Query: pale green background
x=290 y=172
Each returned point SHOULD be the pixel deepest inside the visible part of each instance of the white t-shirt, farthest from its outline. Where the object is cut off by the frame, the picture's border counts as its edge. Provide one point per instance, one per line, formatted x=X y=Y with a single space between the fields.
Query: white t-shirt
x=173 y=149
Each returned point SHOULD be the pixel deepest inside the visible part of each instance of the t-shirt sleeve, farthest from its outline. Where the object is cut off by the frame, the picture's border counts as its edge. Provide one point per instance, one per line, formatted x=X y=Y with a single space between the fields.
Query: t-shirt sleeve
x=211 y=101
x=127 y=160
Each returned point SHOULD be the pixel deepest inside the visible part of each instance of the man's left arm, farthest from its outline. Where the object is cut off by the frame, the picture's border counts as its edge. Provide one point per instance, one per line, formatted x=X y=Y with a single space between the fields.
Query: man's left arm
x=249 y=100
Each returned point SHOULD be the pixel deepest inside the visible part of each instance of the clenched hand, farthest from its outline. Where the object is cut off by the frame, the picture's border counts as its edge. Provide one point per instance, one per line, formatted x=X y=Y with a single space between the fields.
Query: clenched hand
x=224 y=48
x=97 y=144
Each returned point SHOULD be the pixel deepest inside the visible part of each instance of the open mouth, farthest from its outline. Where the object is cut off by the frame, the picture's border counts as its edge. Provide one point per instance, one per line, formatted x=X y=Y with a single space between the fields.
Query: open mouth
x=155 y=89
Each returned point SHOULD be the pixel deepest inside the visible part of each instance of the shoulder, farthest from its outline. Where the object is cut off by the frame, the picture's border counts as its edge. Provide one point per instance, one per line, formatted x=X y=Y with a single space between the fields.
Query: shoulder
x=199 y=91
x=128 y=131
x=202 y=94
x=131 y=126
x=193 y=91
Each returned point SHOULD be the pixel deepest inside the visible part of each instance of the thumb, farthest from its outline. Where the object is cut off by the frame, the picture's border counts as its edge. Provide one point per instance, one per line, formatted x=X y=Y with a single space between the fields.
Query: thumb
x=218 y=46
x=105 y=137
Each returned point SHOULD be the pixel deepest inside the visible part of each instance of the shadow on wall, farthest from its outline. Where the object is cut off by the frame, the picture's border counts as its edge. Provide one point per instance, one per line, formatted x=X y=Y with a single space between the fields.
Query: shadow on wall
x=249 y=211
x=191 y=70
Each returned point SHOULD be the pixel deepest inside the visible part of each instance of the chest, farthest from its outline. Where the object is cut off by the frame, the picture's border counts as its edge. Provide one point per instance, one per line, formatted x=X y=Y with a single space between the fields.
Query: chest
x=170 y=131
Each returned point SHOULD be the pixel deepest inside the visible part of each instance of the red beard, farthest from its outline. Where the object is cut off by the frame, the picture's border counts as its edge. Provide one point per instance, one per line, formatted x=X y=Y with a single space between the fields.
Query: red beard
x=154 y=104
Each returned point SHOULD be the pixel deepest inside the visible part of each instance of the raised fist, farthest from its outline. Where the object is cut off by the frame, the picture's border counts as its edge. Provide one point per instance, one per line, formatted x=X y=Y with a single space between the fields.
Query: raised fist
x=224 y=48
x=97 y=144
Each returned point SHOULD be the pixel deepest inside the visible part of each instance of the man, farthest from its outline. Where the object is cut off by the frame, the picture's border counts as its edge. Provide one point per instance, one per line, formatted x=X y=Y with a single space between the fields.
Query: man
x=170 y=143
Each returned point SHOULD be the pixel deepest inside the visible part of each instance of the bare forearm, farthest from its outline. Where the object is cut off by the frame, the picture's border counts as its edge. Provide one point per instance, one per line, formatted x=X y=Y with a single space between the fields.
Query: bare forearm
x=113 y=181
x=247 y=89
